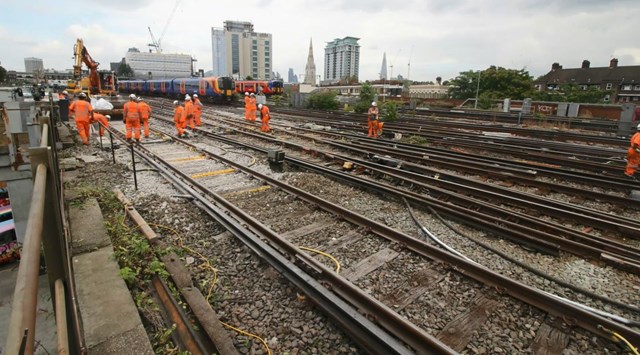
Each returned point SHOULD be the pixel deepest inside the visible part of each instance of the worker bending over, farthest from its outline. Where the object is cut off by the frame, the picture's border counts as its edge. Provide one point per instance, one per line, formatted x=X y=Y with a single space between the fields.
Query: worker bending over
x=252 y=107
x=82 y=110
x=102 y=120
x=131 y=117
x=197 y=109
x=633 y=155
x=145 y=113
x=265 y=117
x=178 y=118
x=372 y=120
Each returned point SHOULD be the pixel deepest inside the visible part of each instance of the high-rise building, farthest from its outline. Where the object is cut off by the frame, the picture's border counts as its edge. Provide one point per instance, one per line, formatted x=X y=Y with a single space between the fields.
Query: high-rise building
x=158 y=65
x=240 y=52
x=383 y=70
x=341 y=58
x=32 y=65
x=310 y=68
x=292 y=78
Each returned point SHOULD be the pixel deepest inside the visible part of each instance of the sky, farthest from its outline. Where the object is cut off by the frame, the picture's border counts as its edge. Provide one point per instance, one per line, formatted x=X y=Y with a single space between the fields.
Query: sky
x=423 y=39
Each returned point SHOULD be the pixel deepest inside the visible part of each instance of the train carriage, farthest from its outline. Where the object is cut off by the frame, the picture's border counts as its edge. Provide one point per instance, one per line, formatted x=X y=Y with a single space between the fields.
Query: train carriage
x=213 y=89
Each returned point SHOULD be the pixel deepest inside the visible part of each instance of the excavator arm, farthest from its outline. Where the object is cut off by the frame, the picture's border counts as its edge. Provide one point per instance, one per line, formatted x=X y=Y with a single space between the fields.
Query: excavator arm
x=81 y=55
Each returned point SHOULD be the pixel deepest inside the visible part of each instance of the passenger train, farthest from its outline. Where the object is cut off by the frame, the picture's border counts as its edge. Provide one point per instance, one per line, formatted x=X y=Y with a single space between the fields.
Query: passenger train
x=213 y=89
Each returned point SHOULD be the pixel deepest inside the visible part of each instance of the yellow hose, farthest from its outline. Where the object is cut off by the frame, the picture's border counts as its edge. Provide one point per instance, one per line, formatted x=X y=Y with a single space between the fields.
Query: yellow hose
x=335 y=261
x=264 y=343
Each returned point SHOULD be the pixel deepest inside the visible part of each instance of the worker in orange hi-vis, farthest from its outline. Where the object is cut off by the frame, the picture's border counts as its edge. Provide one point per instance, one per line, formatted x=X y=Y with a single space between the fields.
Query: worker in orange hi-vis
x=131 y=114
x=247 y=106
x=265 y=116
x=178 y=117
x=188 y=112
x=633 y=156
x=82 y=110
x=102 y=119
x=252 y=107
x=145 y=113
x=372 y=120
x=197 y=109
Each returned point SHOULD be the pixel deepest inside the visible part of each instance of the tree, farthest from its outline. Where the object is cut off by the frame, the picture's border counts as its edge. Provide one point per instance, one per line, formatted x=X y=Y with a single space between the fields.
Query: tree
x=495 y=83
x=125 y=71
x=249 y=77
x=367 y=94
x=3 y=74
x=323 y=100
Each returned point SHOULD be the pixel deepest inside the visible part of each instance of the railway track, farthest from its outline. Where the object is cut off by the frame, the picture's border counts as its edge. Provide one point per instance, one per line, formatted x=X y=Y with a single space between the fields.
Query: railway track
x=374 y=252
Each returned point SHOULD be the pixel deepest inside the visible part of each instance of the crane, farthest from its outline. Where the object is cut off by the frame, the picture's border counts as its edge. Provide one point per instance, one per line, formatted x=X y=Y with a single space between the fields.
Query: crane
x=157 y=43
x=409 y=64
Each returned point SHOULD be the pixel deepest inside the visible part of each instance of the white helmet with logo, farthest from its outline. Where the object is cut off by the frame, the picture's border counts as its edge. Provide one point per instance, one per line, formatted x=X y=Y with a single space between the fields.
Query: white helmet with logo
x=638 y=126
x=108 y=117
x=187 y=97
x=246 y=93
x=374 y=104
x=195 y=95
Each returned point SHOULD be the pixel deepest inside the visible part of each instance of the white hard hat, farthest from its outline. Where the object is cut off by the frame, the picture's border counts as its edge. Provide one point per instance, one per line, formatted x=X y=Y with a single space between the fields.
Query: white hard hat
x=374 y=104
x=176 y=102
x=252 y=94
x=246 y=93
x=187 y=97
x=638 y=125
x=108 y=116
x=82 y=94
x=132 y=96
x=195 y=95
x=259 y=105
x=65 y=92
x=139 y=98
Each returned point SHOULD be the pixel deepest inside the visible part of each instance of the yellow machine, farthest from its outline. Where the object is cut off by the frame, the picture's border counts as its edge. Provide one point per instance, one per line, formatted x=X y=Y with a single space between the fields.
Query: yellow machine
x=98 y=84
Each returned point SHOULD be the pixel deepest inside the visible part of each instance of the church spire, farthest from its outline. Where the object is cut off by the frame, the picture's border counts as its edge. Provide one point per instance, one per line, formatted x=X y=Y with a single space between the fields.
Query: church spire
x=310 y=69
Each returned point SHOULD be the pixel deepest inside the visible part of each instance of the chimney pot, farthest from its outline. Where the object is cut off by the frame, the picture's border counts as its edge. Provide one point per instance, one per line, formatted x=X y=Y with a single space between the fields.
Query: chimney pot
x=555 y=66
x=613 y=63
x=585 y=64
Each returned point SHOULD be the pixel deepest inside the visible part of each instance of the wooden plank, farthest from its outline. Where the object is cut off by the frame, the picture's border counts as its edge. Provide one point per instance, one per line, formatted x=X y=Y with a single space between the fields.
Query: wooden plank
x=417 y=285
x=458 y=333
x=550 y=340
x=306 y=230
x=369 y=264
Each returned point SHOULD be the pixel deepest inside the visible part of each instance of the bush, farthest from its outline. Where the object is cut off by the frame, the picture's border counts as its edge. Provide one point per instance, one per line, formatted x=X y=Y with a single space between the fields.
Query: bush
x=389 y=111
x=323 y=100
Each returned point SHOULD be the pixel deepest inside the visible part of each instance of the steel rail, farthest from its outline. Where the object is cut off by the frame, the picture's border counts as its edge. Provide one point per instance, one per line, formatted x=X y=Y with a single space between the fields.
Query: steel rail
x=249 y=231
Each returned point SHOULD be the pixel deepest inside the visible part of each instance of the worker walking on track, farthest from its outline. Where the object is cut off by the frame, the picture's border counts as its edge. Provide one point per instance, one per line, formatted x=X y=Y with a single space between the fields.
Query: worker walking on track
x=252 y=107
x=247 y=106
x=372 y=120
x=265 y=116
x=145 y=113
x=188 y=112
x=178 y=117
x=633 y=155
x=131 y=114
x=82 y=110
x=103 y=120
x=197 y=109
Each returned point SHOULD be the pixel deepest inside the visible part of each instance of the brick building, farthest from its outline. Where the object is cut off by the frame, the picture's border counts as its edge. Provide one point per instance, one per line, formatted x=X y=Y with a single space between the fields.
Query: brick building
x=623 y=81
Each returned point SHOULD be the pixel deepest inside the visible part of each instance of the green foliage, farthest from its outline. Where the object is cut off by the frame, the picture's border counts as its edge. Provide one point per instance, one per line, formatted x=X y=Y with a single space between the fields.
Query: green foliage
x=323 y=100
x=128 y=275
x=572 y=93
x=389 y=111
x=249 y=77
x=125 y=71
x=3 y=74
x=367 y=95
x=277 y=99
x=495 y=83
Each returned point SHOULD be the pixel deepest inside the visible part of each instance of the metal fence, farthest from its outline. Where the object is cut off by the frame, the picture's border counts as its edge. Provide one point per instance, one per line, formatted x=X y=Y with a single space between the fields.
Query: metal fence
x=47 y=234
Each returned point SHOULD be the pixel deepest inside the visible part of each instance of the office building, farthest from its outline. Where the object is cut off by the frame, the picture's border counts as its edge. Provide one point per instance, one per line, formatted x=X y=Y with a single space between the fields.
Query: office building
x=159 y=65
x=239 y=51
x=32 y=65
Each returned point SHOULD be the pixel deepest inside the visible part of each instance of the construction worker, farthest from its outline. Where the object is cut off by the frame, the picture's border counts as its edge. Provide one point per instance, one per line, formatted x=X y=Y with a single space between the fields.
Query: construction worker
x=247 y=106
x=633 y=155
x=178 y=117
x=131 y=114
x=188 y=112
x=265 y=117
x=82 y=110
x=145 y=113
x=102 y=119
x=197 y=109
x=372 y=120
x=252 y=107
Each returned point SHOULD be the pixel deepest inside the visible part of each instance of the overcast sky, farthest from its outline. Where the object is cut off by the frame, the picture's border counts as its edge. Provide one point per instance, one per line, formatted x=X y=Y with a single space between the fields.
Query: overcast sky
x=437 y=37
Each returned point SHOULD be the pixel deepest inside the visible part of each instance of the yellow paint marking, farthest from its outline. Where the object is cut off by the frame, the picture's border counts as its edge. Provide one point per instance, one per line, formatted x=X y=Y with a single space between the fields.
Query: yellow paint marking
x=212 y=173
x=197 y=157
x=248 y=191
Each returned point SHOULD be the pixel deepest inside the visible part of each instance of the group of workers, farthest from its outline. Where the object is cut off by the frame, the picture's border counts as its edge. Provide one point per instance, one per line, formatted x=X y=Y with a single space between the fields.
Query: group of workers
x=187 y=115
x=82 y=111
x=250 y=112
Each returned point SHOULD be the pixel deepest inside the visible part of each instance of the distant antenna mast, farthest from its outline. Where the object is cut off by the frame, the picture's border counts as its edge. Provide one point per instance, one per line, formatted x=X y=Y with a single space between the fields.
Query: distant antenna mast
x=391 y=65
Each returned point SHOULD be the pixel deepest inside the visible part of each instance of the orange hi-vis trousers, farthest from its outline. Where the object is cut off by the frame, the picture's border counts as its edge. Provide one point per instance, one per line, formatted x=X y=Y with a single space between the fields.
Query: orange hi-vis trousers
x=633 y=160
x=133 y=128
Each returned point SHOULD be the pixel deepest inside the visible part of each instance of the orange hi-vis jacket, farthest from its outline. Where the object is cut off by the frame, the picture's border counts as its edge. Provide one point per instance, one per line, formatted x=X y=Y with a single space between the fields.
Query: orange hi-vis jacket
x=131 y=111
x=81 y=109
x=188 y=109
x=145 y=110
x=179 y=114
